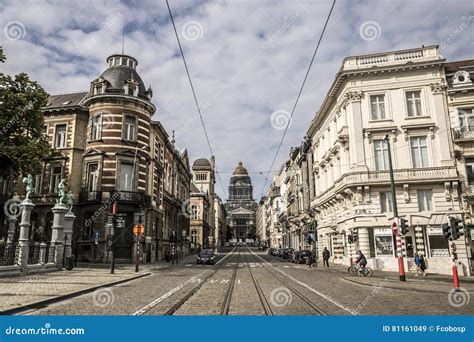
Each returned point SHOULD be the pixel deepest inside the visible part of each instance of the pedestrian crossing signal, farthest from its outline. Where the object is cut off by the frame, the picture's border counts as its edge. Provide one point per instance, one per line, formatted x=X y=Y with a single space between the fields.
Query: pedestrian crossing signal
x=455 y=228
x=446 y=231
x=138 y=229
x=403 y=226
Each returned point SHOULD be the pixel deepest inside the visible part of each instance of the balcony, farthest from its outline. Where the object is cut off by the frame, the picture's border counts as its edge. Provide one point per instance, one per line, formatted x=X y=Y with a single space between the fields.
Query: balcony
x=423 y=175
x=462 y=135
x=90 y=196
x=131 y=197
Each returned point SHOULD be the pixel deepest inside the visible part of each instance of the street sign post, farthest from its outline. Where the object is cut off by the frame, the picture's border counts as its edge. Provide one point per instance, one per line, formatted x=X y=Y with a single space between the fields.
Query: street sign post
x=398 y=240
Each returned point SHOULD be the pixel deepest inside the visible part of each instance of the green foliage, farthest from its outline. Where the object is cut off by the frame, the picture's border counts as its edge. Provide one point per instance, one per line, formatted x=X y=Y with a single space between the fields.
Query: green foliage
x=22 y=144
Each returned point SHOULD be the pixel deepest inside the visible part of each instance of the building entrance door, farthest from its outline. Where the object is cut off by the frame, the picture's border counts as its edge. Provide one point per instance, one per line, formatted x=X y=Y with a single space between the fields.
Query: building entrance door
x=123 y=236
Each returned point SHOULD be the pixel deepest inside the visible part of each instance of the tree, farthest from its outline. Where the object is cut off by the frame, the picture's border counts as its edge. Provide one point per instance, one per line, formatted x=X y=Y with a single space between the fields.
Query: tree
x=22 y=143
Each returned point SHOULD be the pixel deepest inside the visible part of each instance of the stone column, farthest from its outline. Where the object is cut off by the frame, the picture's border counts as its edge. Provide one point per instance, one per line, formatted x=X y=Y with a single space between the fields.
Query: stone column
x=57 y=236
x=68 y=229
x=12 y=220
x=356 y=136
x=42 y=254
x=364 y=243
x=441 y=113
x=23 y=241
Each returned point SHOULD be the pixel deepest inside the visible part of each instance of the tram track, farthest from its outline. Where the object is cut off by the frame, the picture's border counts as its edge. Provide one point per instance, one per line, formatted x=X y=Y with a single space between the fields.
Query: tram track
x=263 y=300
x=225 y=308
x=293 y=289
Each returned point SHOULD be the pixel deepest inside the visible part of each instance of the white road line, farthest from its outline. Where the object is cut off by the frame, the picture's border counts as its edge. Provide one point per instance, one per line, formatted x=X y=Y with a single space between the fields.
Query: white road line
x=171 y=292
x=352 y=312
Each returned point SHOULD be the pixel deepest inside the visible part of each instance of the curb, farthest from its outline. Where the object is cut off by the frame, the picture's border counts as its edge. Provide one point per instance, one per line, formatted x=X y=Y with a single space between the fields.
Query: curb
x=392 y=287
x=60 y=298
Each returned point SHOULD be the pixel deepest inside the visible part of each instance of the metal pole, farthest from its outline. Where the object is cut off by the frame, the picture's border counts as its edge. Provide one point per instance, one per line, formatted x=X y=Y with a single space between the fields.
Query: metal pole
x=114 y=222
x=395 y=232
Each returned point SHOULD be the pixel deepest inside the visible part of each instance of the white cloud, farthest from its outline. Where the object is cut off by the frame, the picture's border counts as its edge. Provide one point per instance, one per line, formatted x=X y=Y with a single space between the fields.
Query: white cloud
x=239 y=80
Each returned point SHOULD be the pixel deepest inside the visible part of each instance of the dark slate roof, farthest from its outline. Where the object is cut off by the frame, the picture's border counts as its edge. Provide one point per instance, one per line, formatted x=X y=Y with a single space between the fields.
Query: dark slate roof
x=202 y=163
x=117 y=75
x=65 y=100
x=451 y=67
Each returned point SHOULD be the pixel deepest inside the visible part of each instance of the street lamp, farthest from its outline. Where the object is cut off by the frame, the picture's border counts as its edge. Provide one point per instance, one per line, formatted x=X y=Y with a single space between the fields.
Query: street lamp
x=395 y=231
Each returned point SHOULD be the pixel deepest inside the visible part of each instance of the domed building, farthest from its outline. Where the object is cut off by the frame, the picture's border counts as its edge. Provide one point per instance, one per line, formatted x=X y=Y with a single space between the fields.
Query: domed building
x=240 y=206
x=110 y=150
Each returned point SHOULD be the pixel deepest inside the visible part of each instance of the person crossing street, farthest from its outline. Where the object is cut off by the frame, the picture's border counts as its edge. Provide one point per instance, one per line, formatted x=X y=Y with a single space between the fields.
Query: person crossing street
x=326 y=256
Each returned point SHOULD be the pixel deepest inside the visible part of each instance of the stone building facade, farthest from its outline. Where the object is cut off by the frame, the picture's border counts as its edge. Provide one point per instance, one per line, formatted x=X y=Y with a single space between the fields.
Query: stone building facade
x=201 y=208
x=241 y=206
x=423 y=106
x=460 y=96
x=110 y=150
x=399 y=95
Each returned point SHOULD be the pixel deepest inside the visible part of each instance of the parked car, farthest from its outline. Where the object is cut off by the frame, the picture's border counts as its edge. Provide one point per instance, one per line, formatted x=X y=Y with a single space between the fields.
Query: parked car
x=294 y=256
x=302 y=256
x=286 y=252
x=270 y=251
x=227 y=244
x=206 y=257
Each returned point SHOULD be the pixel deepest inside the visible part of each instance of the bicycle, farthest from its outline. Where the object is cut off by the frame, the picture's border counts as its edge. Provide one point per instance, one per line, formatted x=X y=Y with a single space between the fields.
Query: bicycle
x=354 y=270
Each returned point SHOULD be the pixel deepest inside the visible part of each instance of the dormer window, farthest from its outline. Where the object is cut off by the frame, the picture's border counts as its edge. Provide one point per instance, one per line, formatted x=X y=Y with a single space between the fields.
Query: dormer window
x=461 y=78
x=98 y=89
x=131 y=90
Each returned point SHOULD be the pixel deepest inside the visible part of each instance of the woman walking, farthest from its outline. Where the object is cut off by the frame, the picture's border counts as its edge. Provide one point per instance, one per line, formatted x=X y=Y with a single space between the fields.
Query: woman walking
x=420 y=264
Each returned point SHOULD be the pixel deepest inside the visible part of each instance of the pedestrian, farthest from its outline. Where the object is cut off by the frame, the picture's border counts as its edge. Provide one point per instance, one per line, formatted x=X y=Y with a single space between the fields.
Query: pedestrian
x=326 y=256
x=420 y=264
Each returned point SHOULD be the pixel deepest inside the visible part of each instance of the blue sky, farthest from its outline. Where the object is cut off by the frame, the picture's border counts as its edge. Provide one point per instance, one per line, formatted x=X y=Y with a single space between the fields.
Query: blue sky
x=247 y=59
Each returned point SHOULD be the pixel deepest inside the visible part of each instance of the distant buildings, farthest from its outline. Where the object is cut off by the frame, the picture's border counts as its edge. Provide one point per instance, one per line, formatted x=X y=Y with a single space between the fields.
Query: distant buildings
x=339 y=174
x=240 y=206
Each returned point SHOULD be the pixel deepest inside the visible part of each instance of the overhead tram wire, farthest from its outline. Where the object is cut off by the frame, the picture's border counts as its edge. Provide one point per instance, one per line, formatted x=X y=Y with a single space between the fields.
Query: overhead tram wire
x=299 y=94
x=194 y=95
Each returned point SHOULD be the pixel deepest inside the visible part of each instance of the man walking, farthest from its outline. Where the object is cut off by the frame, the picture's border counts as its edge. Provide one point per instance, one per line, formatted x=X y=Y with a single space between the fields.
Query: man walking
x=326 y=256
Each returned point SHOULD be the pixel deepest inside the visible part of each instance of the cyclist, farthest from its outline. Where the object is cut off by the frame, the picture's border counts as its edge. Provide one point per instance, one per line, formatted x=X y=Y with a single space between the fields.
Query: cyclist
x=361 y=261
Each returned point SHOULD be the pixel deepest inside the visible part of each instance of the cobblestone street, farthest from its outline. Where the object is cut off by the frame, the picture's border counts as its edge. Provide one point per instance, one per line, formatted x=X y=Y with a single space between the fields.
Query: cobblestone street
x=247 y=281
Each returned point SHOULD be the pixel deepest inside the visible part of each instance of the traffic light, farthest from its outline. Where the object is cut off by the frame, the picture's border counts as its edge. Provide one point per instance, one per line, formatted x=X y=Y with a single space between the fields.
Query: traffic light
x=403 y=226
x=355 y=236
x=454 y=227
x=446 y=231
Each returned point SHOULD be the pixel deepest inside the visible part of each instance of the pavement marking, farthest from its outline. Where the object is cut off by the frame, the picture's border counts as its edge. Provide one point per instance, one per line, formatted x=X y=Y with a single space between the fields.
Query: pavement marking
x=354 y=313
x=157 y=301
x=187 y=265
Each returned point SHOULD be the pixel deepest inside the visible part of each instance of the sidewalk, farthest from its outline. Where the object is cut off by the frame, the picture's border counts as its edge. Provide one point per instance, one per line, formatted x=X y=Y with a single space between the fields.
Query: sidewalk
x=153 y=266
x=434 y=282
x=41 y=289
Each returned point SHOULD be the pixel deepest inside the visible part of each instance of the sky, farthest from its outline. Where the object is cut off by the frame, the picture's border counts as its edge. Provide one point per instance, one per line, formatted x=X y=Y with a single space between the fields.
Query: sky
x=247 y=60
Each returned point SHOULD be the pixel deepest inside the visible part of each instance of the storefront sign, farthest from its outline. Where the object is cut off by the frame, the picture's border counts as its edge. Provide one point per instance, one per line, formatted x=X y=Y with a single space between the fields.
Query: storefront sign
x=434 y=230
x=383 y=231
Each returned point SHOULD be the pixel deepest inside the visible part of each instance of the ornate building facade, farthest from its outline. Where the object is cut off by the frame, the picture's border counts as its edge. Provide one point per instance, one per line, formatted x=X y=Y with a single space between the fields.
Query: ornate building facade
x=399 y=96
x=201 y=207
x=240 y=206
x=110 y=150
